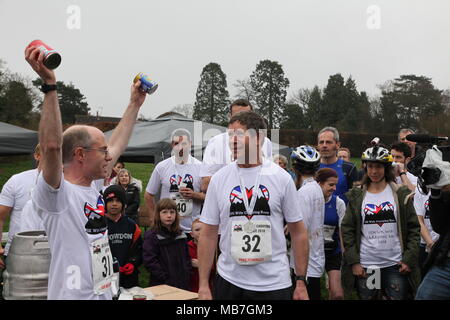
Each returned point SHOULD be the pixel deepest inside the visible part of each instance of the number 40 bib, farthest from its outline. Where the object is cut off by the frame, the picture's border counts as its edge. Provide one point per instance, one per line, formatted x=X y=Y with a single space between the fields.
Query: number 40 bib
x=251 y=242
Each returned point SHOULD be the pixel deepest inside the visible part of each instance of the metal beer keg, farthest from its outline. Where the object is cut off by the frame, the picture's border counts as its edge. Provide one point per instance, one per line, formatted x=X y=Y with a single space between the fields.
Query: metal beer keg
x=27 y=265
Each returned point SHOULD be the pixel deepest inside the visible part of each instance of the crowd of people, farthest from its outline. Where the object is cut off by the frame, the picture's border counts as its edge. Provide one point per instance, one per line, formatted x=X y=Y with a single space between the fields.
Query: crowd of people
x=241 y=224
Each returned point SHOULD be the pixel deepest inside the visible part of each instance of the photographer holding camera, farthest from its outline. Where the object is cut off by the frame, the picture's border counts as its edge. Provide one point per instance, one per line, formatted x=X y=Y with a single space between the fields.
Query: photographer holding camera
x=433 y=171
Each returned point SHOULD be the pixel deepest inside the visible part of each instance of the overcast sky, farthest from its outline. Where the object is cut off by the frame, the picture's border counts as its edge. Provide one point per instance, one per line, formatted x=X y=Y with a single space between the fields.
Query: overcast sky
x=172 y=40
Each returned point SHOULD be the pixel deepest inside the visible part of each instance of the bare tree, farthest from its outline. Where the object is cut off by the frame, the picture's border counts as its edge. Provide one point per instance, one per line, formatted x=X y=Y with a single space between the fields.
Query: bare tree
x=245 y=91
x=186 y=109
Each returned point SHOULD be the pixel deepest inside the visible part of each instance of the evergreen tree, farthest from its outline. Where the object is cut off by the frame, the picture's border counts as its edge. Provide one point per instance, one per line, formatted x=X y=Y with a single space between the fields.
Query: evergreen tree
x=270 y=87
x=313 y=114
x=16 y=103
x=212 y=98
x=71 y=101
x=408 y=101
x=293 y=117
x=334 y=101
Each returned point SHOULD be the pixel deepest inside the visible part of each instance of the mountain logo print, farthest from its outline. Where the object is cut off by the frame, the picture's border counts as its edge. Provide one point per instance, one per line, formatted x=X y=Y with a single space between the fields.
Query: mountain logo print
x=97 y=222
x=237 y=206
x=175 y=180
x=380 y=215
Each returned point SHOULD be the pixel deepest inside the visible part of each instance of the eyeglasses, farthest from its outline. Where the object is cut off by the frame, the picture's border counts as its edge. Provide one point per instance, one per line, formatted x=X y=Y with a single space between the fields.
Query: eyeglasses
x=104 y=151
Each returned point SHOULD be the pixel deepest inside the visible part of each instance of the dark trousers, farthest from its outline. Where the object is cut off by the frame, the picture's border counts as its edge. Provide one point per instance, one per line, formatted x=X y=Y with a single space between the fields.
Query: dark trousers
x=224 y=290
x=313 y=286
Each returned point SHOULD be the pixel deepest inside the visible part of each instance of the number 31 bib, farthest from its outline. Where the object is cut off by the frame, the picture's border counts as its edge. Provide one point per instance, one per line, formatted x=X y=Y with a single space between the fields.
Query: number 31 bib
x=251 y=242
x=102 y=265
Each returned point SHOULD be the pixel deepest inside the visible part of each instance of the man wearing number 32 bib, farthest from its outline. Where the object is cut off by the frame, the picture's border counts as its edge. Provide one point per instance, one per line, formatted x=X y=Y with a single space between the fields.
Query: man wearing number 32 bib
x=68 y=200
x=247 y=201
x=178 y=178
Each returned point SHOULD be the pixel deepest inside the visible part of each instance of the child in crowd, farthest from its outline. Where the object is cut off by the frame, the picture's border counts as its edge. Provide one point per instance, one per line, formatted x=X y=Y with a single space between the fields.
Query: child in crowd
x=165 y=254
x=195 y=234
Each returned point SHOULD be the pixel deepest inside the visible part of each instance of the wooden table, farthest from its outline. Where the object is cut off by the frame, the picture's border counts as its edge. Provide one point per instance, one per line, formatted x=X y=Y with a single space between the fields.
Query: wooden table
x=165 y=292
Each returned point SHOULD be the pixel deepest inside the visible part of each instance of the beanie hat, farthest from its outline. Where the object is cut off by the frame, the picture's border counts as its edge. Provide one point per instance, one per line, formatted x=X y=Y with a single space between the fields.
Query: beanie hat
x=114 y=191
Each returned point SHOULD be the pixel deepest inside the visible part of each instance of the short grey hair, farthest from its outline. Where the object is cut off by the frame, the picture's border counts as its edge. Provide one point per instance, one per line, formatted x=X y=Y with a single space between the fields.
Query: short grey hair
x=331 y=129
x=281 y=158
x=73 y=137
x=404 y=131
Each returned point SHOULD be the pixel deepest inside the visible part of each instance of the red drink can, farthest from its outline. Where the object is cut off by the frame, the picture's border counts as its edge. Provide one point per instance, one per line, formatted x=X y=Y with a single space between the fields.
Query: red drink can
x=52 y=59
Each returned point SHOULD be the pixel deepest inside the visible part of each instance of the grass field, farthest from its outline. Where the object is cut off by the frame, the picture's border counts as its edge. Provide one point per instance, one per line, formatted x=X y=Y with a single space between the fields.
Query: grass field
x=141 y=171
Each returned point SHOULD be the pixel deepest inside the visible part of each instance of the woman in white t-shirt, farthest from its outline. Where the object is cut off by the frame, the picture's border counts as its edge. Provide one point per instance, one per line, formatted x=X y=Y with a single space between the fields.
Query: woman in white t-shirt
x=306 y=162
x=381 y=234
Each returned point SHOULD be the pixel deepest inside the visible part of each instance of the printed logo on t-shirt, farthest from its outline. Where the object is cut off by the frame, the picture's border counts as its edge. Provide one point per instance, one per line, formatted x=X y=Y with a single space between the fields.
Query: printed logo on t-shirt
x=380 y=215
x=237 y=207
x=176 y=180
x=97 y=222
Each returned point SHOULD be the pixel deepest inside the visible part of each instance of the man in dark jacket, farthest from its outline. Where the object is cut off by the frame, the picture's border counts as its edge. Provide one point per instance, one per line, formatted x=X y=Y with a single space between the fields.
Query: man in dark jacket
x=124 y=236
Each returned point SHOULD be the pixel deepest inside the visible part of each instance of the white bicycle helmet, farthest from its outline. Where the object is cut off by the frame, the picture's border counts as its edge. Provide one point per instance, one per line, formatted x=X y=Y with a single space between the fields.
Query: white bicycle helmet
x=305 y=158
x=377 y=154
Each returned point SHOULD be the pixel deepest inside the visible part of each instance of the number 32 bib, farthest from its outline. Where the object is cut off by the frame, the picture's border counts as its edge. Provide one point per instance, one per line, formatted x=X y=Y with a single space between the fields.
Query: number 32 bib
x=251 y=242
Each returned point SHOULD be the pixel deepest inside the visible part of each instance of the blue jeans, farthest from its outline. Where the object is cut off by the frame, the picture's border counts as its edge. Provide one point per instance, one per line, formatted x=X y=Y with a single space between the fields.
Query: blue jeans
x=394 y=286
x=436 y=284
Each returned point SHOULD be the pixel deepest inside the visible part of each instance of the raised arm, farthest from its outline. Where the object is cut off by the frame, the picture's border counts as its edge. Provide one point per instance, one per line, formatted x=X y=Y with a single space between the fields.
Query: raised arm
x=50 y=125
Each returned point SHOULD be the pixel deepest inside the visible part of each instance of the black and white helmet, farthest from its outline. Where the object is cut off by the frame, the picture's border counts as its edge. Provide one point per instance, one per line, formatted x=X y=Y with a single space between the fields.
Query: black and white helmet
x=305 y=158
x=377 y=154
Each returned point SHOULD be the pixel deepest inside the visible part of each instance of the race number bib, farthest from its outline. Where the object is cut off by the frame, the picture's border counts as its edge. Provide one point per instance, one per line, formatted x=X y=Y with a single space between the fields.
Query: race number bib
x=251 y=242
x=328 y=232
x=102 y=265
x=184 y=206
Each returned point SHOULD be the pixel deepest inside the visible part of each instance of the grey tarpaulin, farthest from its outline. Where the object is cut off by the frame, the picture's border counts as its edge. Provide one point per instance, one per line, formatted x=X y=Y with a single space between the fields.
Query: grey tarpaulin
x=150 y=141
x=16 y=140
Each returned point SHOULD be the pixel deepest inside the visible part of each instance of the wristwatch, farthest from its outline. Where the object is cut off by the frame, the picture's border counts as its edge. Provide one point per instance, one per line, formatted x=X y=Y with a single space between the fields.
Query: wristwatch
x=402 y=173
x=303 y=278
x=48 y=87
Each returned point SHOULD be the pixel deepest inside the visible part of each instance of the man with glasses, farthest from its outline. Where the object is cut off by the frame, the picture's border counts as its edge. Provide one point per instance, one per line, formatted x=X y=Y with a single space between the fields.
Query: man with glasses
x=74 y=166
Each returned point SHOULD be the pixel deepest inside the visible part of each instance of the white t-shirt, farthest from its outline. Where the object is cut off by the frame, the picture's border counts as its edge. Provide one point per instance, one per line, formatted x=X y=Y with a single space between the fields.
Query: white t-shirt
x=15 y=193
x=31 y=219
x=217 y=153
x=277 y=200
x=421 y=204
x=312 y=203
x=380 y=242
x=167 y=175
x=64 y=213
x=412 y=178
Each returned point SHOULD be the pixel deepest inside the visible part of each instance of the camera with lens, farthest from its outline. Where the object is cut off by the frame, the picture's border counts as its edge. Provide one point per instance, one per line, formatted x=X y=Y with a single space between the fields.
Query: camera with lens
x=432 y=167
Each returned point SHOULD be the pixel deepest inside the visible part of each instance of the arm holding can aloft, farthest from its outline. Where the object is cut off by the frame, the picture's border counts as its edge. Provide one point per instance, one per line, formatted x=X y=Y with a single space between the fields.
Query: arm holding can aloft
x=50 y=125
